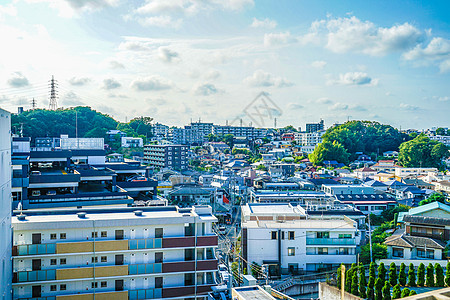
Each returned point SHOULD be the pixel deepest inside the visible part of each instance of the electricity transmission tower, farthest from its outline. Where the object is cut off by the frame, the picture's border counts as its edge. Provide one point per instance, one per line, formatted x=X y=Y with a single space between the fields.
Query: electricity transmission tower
x=33 y=104
x=53 y=105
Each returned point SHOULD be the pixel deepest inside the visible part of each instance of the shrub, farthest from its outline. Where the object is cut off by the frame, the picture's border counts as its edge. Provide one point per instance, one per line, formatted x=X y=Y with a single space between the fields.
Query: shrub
x=382 y=272
x=402 y=275
x=405 y=292
x=412 y=293
x=396 y=292
x=430 y=275
x=393 y=274
x=354 y=288
x=439 y=275
x=411 y=275
x=362 y=281
x=370 y=288
x=447 y=274
x=378 y=289
x=421 y=275
x=386 y=291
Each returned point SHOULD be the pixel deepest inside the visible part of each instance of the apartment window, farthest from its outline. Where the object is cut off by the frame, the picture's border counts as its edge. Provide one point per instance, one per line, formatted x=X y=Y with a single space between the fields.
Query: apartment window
x=94 y=234
x=273 y=235
x=62 y=261
x=291 y=235
x=282 y=235
x=62 y=287
x=291 y=251
x=422 y=253
x=345 y=236
x=62 y=236
x=397 y=252
x=94 y=259
x=104 y=259
x=53 y=261
x=343 y=251
x=158 y=233
x=322 y=251
x=53 y=288
x=323 y=235
x=94 y=285
x=103 y=284
x=158 y=282
x=104 y=234
x=53 y=236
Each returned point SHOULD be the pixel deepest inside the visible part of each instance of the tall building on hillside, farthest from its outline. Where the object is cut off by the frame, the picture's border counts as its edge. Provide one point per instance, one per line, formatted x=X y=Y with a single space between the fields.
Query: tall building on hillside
x=5 y=205
x=116 y=253
x=313 y=127
x=166 y=156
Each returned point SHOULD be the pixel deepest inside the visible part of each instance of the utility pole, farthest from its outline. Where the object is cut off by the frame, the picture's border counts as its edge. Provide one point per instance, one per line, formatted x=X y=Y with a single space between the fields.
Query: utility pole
x=33 y=104
x=53 y=105
x=370 y=240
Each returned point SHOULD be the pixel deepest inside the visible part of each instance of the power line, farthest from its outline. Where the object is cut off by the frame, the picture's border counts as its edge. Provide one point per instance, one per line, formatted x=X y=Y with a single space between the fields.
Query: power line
x=53 y=105
x=33 y=103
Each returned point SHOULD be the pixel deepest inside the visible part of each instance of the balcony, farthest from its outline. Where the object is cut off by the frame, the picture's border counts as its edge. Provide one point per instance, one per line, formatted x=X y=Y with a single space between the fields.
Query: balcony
x=330 y=241
x=173 y=267
x=71 y=273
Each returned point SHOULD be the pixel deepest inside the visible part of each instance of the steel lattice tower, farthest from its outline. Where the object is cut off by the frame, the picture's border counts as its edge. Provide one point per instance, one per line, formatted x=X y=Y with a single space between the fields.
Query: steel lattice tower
x=53 y=104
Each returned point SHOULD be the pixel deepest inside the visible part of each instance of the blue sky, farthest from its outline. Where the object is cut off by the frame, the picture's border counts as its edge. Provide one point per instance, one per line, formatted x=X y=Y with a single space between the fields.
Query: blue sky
x=177 y=60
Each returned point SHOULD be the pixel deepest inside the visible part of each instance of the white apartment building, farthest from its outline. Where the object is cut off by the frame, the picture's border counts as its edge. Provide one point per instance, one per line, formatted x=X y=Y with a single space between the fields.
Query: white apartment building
x=132 y=142
x=444 y=139
x=286 y=239
x=82 y=143
x=5 y=205
x=118 y=253
x=311 y=139
x=403 y=172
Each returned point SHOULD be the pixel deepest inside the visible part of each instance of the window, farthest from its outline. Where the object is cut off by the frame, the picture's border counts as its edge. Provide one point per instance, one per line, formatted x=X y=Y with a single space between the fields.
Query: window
x=94 y=259
x=94 y=285
x=53 y=261
x=425 y=254
x=282 y=235
x=323 y=235
x=62 y=287
x=158 y=233
x=104 y=234
x=53 y=236
x=158 y=282
x=343 y=251
x=397 y=252
x=291 y=235
x=104 y=259
x=103 y=284
x=322 y=251
x=94 y=234
x=345 y=236
x=273 y=235
x=62 y=261
x=291 y=251
x=62 y=236
x=53 y=288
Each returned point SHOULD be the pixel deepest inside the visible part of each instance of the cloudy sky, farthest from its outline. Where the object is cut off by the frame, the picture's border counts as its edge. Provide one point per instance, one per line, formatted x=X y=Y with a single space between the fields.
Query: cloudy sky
x=177 y=60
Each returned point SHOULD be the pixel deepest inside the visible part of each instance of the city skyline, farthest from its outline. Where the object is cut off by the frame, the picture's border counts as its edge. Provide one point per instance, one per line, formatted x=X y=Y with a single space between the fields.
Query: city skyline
x=182 y=60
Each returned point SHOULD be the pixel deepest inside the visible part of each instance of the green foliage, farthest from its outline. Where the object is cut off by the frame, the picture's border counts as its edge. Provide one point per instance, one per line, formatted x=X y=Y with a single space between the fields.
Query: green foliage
x=348 y=280
x=354 y=287
x=339 y=277
x=382 y=272
x=379 y=251
x=434 y=197
x=421 y=275
x=422 y=152
x=411 y=275
x=256 y=269
x=389 y=214
x=372 y=267
x=261 y=167
x=362 y=281
x=290 y=128
x=447 y=274
x=329 y=151
x=412 y=293
x=396 y=292
x=53 y=123
x=439 y=275
x=386 y=291
x=442 y=131
x=405 y=292
x=430 y=275
x=378 y=289
x=370 y=288
x=142 y=126
x=393 y=274
x=402 y=275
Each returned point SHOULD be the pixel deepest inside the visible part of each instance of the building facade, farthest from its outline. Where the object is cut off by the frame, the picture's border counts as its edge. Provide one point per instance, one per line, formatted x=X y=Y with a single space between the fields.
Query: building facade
x=166 y=156
x=313 y=127
x=121 y=253
x=132 y=142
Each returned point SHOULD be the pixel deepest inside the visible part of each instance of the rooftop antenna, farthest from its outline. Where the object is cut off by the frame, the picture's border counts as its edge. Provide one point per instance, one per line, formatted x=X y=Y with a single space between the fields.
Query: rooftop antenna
x=226 y=122
x=240 y=122
x=33 y=104
x=53 y=105
x=275 y=123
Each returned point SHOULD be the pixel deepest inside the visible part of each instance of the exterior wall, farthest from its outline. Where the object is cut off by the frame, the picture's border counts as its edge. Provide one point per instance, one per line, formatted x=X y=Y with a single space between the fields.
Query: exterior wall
x=328 y=292
x=166 y=156
x=131 y=142
x=82 y=143
x=5 y=205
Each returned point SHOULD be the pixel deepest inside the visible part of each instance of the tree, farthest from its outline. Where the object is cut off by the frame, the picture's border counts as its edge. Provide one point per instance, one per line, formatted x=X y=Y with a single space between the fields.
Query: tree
x=362 y=281
x=421 y=275
x=348 y=280
x=402 y=275
x=339 y=277
x=393 y=274
x=422 y=152
x=370 y=288
x=430 y=275
x=329 y=151
x=396 y=292
x=379 y=251
x=411 y=275
x=412 y=293
x=434 y=197
x=439 y=275
x=441 y=131
x=354 y=288
x=382 y=272
x=378 y=289
x=229 y=140
x=447 y=274
x=405 y=292
x=261 y=167
x=386 y=291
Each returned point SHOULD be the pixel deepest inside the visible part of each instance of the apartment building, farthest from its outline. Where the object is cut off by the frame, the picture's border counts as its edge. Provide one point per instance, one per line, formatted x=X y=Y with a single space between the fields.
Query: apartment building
x=287 y=240
x=160 y=130
x=313 y=127
x=166 y=156
x=5 y=205
x=116 y=253
x=240 y=131
x=444 y=139
x=132 y=142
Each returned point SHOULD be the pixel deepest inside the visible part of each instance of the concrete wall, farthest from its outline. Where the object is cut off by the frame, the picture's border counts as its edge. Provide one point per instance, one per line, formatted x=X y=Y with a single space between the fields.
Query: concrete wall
x=327 y=292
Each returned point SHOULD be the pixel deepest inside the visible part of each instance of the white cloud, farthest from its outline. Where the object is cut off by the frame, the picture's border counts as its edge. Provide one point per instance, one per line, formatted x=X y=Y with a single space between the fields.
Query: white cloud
x=319 y=64
x=265 y=79
x=324 y=100
x=436 y=52
x=264 y=23
x=295 y=106
x=160 y=21
x=406 y=106
x=113 y=64
x=79 y=81
x=338 y=106
x=111 y=83
x=166 y=55
x=214 y=74
x=206 y=89
x=18 y=80
x=71 y=99
x=354 y=78
x=151 y=83
x=276 y=39
x=7 y=10
x=350 y=34
x=71 y=8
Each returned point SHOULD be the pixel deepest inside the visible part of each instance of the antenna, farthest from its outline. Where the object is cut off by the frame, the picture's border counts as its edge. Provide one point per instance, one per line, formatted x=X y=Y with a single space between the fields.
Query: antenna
x=241 y=122
x=33 y=104
x=53 y=105
x=275 y=123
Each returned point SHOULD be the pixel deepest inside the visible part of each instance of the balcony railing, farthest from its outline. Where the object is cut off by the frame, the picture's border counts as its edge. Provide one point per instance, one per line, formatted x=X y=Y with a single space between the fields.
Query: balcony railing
x=329 y=241
x=40 y=275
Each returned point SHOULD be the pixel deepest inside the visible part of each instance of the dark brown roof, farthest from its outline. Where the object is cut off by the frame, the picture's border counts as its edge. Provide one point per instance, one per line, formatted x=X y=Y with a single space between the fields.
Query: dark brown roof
x=426 y=220
x=408 y=241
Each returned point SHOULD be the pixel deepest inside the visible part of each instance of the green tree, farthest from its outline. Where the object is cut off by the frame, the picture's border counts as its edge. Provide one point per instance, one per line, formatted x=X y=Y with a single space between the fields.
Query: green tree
x=421 y=275
x=362 y=281
x=396 y=292
x=430 y=275
x=412 y=293
x=405 y=292
x=382 y=272
x=402 y=275
x=393 y=274
x=379 y=251
x=229 y=140
x=422 y=152
x=372 y=267
x=447 y=274
x=329 y=151
x=386 y=290
x=339 y=277
x=354 y=287
x=434 y=197
x=439 y=275
x=348 y=280
x=378 y=289
x=441 y=131
x=411 y=275
x=370 y=288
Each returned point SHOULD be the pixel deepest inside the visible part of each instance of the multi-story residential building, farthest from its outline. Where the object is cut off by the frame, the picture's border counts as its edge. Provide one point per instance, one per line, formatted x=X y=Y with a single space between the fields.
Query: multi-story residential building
x=444 y=139
x=166 y=156
x=283 y=237
x=160 y=130
x=309 y=138
x=132 y=142
x=404 y=172
x=119 y=253
x=313 y=127
x=5 y=205
x=240 y=131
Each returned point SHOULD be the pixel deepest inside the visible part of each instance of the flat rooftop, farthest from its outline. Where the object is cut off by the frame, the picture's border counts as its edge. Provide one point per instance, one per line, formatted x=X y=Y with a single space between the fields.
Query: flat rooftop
x=306 y=224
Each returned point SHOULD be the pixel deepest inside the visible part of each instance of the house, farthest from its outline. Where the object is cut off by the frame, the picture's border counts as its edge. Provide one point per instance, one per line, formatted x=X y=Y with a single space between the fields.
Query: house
x=443 y=186
x=377 y=185
x=365 y=172
x=390 y=154
x=385 y=165
x=368 y=203
x=132 y=142
x=114 y=157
